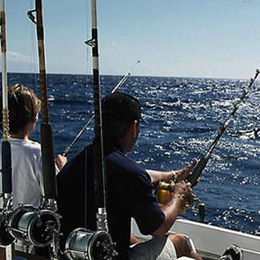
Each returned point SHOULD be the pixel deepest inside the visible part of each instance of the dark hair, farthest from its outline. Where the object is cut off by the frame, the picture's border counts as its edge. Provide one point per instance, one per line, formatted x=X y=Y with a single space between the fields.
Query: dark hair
x=119 y=111
x=114 y=128
x=23 y=105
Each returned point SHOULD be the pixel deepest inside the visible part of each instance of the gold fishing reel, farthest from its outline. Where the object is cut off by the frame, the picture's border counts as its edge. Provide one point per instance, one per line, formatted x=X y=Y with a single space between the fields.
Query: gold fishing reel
x=163 y=194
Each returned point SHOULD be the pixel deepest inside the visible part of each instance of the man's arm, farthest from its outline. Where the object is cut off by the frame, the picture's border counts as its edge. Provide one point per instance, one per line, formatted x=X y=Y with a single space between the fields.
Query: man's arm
x=181 y=192
x=182 y=174
x=157 y=176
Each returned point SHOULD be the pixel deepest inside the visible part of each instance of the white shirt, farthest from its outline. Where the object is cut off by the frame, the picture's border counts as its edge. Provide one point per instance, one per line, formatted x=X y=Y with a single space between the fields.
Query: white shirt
x=27 y=179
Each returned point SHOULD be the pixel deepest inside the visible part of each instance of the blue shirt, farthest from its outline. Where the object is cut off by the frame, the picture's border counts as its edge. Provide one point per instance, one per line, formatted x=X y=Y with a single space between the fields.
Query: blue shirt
x=129 y=194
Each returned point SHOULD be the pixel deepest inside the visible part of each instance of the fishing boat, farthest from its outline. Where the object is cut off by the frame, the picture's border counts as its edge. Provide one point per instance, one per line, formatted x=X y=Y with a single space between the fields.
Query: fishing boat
x=208 y=240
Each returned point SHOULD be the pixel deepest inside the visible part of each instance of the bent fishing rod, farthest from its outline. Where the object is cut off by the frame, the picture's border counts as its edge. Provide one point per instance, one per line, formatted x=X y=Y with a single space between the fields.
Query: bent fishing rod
x=114 y=89
x=193 y=178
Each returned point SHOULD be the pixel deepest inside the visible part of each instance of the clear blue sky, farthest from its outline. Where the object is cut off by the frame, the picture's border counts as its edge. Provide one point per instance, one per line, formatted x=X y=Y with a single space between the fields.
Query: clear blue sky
x=187 y=38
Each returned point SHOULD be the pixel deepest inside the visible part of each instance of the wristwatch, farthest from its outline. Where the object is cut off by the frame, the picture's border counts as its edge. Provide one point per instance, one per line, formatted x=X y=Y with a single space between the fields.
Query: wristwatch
x=174 y=176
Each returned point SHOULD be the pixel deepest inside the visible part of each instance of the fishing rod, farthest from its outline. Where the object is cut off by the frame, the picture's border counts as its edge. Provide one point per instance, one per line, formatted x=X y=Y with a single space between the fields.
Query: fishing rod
x=5 y=237
x=48 y=166
x=84 y=243
x=193 y=178
x=6 y=146
x=50 y=186
x=114 y=89
x=124 y=78
x=98 y=151
x=40 y=226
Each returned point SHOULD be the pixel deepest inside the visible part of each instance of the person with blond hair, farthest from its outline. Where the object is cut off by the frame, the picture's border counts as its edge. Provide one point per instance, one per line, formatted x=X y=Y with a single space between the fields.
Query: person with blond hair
x=27 y=178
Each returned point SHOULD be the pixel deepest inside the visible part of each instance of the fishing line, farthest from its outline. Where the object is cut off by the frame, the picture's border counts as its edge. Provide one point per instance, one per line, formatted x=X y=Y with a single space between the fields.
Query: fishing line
x=114 y=89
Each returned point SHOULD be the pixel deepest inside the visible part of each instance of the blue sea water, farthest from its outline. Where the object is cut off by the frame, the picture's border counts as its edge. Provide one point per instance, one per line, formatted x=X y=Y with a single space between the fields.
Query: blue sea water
x=184 y=115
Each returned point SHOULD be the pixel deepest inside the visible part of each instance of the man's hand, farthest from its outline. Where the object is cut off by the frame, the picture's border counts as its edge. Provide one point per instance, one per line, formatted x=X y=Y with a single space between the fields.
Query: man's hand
x=182 y=191
x=61 y=161
x=183 y=173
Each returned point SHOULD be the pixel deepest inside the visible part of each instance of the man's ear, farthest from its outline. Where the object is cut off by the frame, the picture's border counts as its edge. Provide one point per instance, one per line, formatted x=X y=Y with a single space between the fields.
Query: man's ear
x=132 y=131
x=134 y=126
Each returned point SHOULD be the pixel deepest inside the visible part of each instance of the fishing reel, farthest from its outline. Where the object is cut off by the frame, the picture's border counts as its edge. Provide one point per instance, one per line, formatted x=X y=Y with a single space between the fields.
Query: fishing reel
x=163 y=194
x=5 y=237
x=36 y=226
x=91 y=245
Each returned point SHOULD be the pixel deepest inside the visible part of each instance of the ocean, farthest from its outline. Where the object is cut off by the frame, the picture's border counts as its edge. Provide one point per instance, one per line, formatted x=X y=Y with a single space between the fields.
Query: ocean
x=184 y=115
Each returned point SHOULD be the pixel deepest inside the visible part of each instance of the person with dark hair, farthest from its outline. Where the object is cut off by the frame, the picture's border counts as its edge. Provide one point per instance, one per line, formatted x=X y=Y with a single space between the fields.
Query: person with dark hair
x=129 y=190
x=27 y=179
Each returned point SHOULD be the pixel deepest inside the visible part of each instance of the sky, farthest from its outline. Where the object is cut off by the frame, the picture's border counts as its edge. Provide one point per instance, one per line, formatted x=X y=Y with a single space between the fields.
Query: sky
x=176 y=38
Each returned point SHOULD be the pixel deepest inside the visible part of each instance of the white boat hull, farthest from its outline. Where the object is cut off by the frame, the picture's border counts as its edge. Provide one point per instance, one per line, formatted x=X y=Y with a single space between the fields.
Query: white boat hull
x=211 y=241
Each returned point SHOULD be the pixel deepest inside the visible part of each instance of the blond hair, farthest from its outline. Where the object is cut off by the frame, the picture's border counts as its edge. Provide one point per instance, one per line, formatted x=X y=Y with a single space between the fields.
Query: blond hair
x=24 y=107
